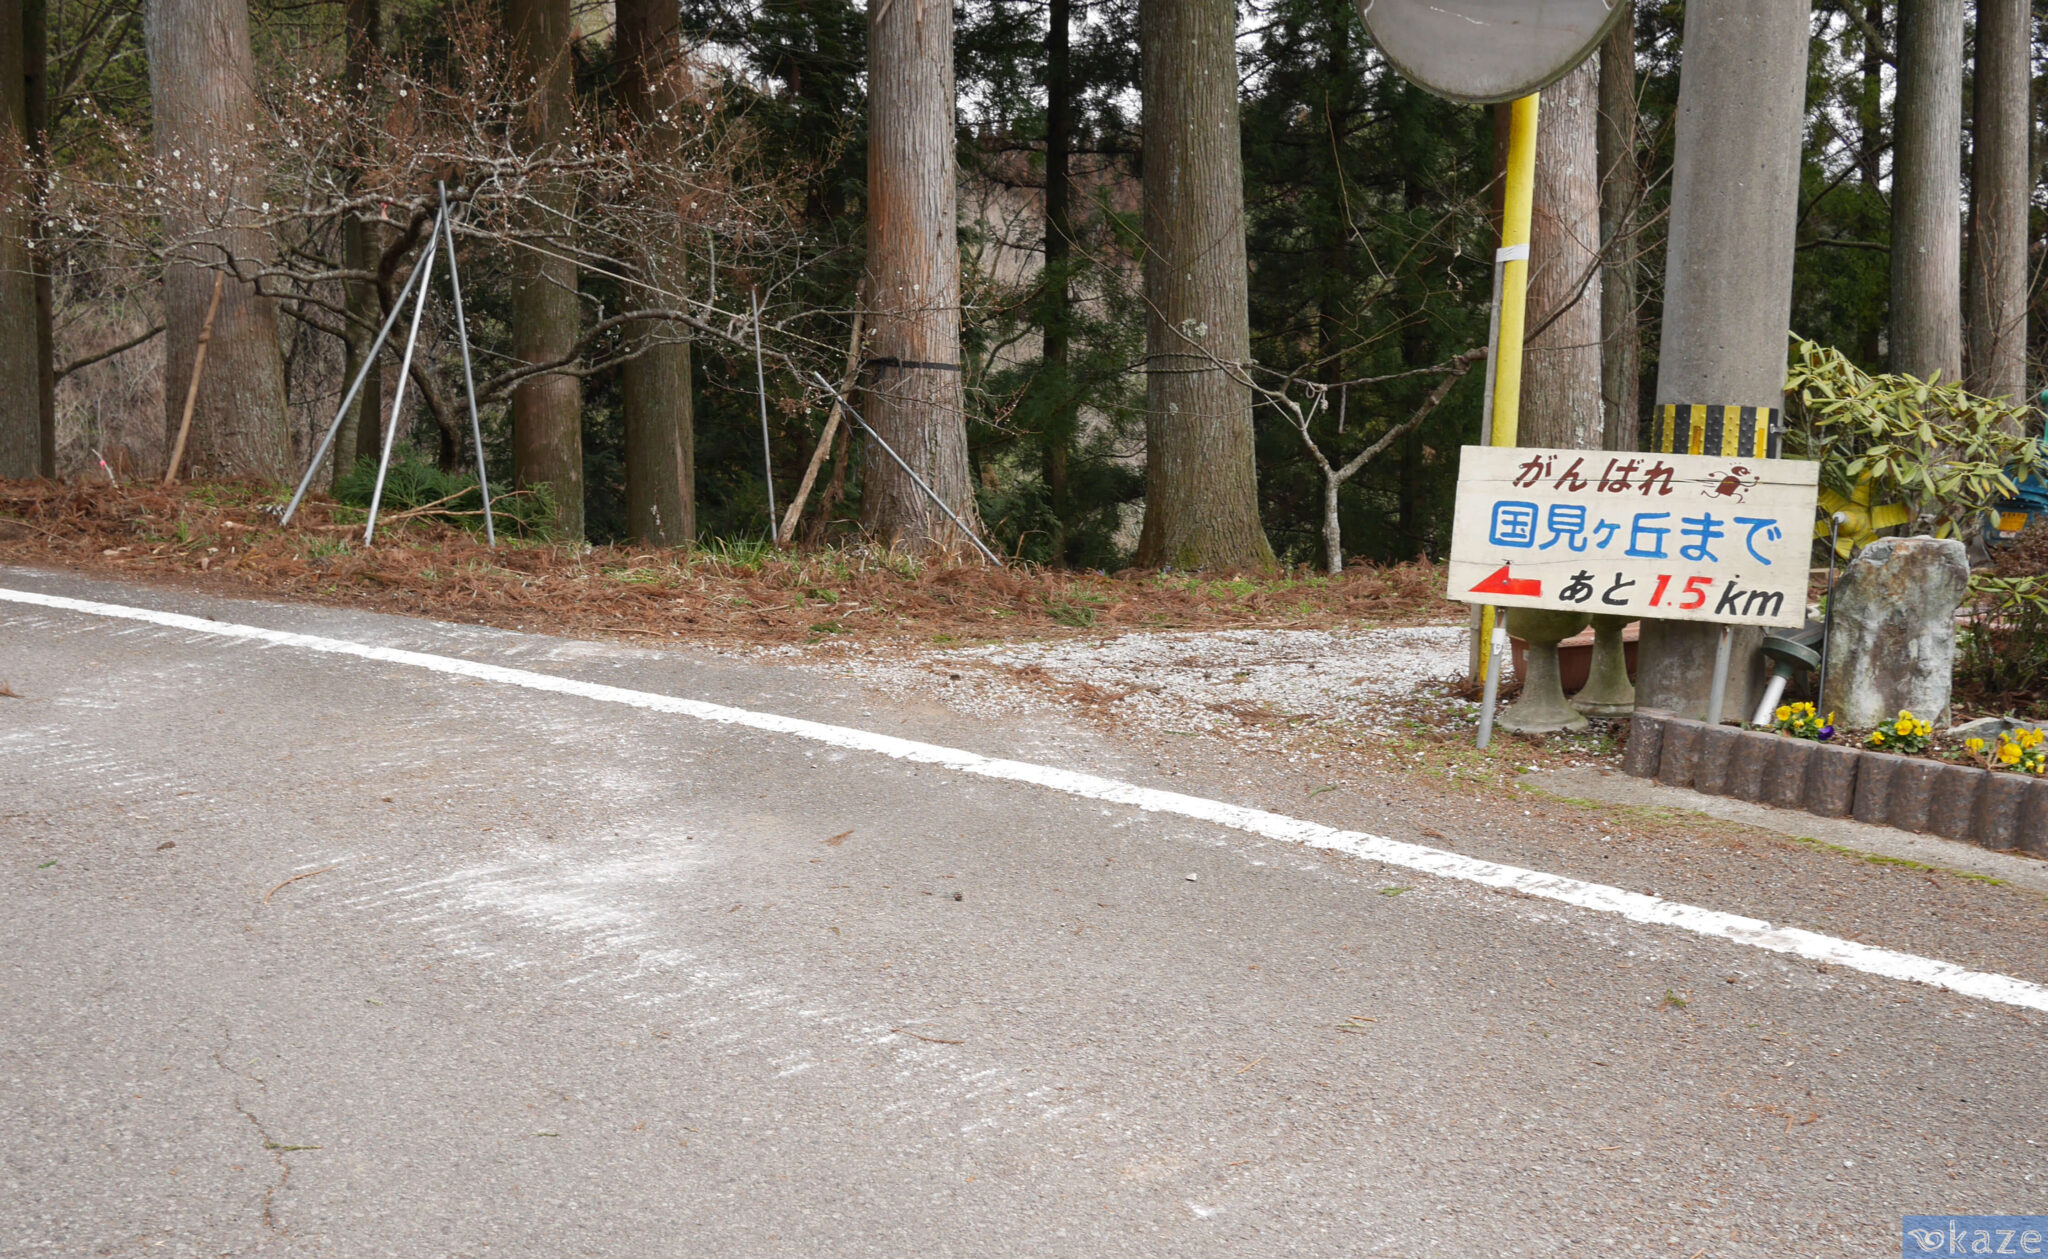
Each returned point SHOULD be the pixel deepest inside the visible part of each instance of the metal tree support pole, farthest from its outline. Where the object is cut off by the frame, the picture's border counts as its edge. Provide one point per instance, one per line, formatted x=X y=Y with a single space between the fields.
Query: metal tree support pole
x=419 y=307
x=1492 y=700
x=1827 y=621
x=761 y=387
x=1717 y=694
x=1504 y=355
x=908 y=471
x=476 y=428
x=348 y=399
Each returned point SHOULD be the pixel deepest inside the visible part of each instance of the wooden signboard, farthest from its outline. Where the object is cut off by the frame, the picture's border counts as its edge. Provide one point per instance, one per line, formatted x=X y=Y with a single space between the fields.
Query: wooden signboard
x=1675 y=537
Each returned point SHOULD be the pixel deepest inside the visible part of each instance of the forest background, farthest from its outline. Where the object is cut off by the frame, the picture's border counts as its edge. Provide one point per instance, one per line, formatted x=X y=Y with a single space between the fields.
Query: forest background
x=733 y=181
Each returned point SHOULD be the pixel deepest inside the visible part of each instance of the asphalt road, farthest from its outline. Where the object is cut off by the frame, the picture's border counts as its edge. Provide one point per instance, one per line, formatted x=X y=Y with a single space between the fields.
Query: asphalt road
x=310 y=954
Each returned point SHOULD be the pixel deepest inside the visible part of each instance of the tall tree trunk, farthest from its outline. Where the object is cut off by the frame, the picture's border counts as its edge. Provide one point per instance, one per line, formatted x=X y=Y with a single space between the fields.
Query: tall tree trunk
x=36 y=72
x=1999 y=196
x=1927 y=216
x=20 y=345
x=914 y=387
x=362 y=250
x=1056 y=311
x=1561 y=400
x=1201 y=480
x=661 y=498
x=202 y=81
x=547 y=409
x=1872 y=141
x=1621 y=183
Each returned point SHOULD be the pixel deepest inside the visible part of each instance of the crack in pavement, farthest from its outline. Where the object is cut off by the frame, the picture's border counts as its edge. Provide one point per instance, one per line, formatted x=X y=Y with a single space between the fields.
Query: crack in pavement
x=271 y=1146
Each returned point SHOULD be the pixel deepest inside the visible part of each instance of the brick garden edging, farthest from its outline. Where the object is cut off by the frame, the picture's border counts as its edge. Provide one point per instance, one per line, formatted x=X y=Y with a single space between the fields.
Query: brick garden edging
x=1996 y=810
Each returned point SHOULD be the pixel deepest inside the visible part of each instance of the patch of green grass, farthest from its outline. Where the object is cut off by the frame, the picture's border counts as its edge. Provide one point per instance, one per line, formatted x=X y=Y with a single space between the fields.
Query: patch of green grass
x=412 y=483
x=1076 y=613
x=1903 y=863
x=1394 y=891
x=320 y=548
x=742 y=555
x=1671 y=1001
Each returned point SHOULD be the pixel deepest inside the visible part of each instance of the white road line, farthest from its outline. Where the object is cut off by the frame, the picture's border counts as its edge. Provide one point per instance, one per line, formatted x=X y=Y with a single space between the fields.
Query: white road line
x=1633 y=906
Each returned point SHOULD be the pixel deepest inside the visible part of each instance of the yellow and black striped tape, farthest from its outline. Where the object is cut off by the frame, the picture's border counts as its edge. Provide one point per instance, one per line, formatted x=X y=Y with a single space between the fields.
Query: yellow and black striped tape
x=1755 y=432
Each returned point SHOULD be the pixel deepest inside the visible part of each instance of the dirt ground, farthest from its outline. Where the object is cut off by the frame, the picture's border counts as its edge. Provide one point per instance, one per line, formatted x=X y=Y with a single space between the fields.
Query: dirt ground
x=226 y=539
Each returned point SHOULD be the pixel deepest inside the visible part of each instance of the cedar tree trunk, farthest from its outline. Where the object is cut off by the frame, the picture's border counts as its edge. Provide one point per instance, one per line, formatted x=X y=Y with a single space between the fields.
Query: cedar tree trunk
x=1621 y=182
x=1060 y=420
x=362 y=248
x=21 y=411
x=1201 y=480
x=1561 y=397
x=661 y=499
x=914 y=386
x=547 y=409
x=202 y=79
x=1927 y=214
x=1998 y=209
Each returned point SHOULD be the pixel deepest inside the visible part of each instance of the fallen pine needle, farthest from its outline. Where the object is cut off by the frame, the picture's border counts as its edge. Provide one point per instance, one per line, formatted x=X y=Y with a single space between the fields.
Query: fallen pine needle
x=7 y=691
x=838 y=839
x=294 y=879
x=1249 y=1065
x=929 y=1039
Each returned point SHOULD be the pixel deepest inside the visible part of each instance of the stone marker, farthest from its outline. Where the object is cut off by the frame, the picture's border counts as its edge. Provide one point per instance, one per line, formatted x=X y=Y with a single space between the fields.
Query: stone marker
x=1952 y=809
x=1749 y=766
x=1681 y=751
x=1894 y=631
x=2030 y=832
x=1645 y=743
x=1998 y=811
x=1831 y=780
x=1874 y=771
x=1791 y=764
x=1710 y=774
x=1914 y=782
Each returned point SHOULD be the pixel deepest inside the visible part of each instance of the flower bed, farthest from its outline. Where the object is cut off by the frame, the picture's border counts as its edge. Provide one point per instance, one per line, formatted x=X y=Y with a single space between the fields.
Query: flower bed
x=1994 y=808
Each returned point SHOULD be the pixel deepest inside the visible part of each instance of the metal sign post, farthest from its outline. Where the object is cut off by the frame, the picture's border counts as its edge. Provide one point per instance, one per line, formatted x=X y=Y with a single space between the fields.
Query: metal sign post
x=1510 y=314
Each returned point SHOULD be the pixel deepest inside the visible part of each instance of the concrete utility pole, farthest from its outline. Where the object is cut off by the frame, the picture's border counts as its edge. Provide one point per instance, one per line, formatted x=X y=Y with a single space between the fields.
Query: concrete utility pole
x=1728 y=273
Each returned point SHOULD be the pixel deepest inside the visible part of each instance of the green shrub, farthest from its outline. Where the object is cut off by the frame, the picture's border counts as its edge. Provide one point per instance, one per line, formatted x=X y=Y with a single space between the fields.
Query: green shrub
x=413 y=483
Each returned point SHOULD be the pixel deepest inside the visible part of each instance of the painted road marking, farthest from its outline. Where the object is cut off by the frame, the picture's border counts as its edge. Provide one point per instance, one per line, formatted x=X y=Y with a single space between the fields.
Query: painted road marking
x=1633 y=906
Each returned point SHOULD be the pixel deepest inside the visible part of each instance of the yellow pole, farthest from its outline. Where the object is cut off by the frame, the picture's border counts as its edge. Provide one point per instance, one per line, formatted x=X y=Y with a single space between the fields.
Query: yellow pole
x=1514 y=297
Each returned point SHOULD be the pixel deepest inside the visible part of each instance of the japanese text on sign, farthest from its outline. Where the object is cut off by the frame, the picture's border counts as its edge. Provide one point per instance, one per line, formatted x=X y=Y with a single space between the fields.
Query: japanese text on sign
x=1679 y=537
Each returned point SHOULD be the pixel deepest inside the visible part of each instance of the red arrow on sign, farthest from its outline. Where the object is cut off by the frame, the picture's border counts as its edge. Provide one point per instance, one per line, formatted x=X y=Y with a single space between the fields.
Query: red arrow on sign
x=1502 y=584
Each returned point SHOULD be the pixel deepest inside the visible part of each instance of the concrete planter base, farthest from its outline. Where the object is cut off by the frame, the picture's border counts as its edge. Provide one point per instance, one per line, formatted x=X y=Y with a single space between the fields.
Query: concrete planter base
x=1996 y=810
